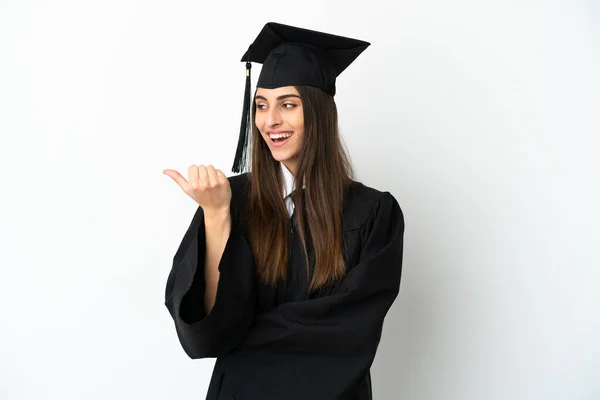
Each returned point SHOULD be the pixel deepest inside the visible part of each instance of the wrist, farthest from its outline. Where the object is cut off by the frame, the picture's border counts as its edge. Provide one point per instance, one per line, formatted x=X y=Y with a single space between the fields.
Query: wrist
x=217 y=216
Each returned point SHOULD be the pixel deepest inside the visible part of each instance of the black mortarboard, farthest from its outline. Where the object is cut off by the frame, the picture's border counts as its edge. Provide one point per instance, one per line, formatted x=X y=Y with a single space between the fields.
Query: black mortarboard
x=293 y=56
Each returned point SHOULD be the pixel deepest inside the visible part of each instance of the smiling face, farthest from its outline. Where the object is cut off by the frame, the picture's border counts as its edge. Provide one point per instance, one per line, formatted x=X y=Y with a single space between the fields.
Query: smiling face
x=279 y=114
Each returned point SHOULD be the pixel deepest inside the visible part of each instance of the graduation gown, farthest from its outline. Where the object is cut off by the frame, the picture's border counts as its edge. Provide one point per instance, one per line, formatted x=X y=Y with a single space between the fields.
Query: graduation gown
x=276 y=343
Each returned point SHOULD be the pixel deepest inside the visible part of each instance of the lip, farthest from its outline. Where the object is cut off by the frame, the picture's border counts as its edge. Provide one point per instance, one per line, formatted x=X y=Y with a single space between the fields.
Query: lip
x=279 y=144
x=270 y=132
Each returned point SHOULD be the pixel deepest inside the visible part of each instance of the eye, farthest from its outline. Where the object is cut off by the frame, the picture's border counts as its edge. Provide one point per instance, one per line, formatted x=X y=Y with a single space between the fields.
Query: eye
x=284 y=105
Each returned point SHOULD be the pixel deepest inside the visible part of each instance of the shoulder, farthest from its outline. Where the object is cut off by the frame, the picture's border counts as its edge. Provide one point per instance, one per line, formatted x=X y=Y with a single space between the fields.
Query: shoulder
x=239 y=187
x=239 y=194
x=363 y=203
x=239 y=182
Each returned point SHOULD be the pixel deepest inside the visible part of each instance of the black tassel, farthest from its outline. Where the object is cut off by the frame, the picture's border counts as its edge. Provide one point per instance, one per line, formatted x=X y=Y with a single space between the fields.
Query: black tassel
x=241 y=155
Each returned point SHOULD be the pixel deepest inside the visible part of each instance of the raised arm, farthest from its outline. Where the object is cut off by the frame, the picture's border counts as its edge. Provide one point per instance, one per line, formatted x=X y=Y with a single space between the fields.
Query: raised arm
x=210 y=291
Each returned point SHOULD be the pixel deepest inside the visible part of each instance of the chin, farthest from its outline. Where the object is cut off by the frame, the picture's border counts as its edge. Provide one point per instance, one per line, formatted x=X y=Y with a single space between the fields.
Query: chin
x=282 y=156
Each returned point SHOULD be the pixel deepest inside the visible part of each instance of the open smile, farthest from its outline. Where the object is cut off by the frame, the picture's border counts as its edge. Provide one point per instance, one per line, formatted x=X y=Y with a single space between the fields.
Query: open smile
x=278 y=140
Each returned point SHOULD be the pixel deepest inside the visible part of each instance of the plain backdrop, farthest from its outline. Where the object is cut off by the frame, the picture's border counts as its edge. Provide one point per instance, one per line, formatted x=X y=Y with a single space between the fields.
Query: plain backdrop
x=480 y=117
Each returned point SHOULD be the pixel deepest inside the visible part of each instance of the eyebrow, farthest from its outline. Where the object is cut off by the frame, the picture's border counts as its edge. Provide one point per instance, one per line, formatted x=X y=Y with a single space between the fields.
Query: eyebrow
x=285 y=96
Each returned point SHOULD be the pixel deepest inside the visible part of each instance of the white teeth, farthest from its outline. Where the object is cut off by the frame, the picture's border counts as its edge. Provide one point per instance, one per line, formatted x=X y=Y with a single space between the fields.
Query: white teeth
x=280 y=135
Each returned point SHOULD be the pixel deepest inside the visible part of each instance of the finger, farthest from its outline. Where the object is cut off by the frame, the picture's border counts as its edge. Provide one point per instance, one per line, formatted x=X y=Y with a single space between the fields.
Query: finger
x=221 y=176
x=193 y=176
x=212 y=176
x=202 y=177
x=177 y=177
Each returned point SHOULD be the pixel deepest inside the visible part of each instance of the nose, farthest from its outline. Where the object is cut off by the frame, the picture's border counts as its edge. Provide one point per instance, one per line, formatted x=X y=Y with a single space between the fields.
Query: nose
x=273 y=117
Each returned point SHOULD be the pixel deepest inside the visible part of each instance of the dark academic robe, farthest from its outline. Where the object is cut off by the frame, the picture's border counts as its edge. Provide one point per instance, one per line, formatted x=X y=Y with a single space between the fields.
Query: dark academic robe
x=279 y=343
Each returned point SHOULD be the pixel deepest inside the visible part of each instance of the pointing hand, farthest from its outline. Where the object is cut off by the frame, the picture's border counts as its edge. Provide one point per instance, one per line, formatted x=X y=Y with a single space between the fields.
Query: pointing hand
x=208 y=186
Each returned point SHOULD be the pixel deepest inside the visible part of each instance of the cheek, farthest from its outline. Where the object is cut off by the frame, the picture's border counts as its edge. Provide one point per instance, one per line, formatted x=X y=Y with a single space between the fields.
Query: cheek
x=299 y=135
x=299 y=128
x=258 y=120
x=298 y=120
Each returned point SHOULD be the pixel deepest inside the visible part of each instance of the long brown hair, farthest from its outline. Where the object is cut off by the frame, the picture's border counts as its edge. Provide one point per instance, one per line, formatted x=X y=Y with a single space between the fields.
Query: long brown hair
x=326 y=170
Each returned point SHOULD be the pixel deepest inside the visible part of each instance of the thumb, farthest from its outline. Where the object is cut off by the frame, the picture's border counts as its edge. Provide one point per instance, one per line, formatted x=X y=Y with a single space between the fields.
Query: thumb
x=177 y=177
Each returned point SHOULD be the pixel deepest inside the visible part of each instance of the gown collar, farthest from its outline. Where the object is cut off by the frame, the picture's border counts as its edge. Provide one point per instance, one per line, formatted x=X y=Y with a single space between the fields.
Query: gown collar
x=288 y=178
x=288 y=186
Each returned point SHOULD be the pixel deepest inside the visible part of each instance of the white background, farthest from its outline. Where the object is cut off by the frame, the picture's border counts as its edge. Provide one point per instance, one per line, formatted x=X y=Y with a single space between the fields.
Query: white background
x=480 y=117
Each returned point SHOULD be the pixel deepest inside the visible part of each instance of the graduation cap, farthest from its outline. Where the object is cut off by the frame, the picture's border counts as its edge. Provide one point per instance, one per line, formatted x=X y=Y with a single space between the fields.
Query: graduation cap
x=293 y=56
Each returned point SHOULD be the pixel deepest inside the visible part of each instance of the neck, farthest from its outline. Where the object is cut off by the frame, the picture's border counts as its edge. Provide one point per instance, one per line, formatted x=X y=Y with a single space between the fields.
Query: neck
x=291 y=166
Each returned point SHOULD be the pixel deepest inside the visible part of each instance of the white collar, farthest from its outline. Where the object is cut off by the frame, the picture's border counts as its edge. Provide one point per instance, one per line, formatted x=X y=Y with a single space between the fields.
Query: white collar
x=288 y=178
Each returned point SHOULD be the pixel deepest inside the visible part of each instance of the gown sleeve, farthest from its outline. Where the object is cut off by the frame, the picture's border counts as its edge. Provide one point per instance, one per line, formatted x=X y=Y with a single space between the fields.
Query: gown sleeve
x=348 y=322
x=218 y=332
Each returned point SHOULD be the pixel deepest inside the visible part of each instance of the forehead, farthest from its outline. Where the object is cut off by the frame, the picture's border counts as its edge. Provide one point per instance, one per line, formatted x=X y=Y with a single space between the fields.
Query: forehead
x=274 y=93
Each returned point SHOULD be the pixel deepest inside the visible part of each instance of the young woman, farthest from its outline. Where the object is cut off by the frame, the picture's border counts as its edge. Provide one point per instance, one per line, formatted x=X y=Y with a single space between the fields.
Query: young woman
x=290 y=310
